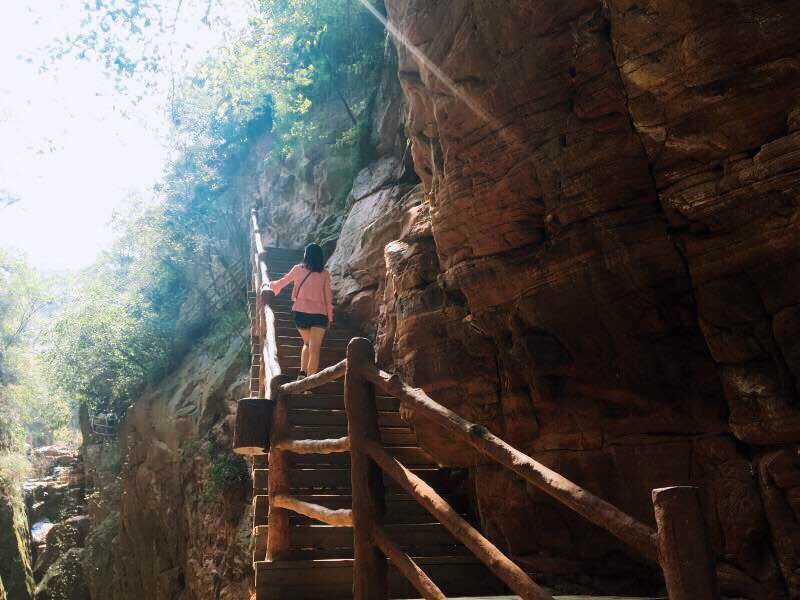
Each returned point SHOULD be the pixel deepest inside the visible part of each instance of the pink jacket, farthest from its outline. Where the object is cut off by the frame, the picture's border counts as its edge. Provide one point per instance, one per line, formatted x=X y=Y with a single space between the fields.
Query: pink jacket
x=314 y=296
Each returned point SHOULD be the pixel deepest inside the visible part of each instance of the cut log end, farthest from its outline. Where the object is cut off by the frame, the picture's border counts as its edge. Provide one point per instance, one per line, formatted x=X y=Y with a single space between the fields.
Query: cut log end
x=253 y=420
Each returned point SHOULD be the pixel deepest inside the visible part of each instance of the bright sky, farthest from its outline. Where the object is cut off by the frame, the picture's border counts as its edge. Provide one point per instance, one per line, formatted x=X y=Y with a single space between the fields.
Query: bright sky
x=66 y=151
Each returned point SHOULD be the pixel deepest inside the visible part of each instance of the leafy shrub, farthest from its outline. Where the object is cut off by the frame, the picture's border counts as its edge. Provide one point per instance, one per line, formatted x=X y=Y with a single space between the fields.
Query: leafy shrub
x=14 y=469
x=226 y=469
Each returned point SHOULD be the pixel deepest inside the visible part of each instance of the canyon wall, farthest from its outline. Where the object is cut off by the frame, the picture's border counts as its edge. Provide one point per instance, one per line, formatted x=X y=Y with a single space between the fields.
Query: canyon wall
x=183 y=520
x=602 y=264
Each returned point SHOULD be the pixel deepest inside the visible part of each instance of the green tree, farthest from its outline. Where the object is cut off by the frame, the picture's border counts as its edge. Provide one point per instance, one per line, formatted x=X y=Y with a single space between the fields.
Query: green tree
x=122 y=321
x=23 y=295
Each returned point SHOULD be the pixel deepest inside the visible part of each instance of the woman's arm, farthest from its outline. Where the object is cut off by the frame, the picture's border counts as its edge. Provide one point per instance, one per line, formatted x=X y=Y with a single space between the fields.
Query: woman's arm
x=277 y=286
x=328 y=296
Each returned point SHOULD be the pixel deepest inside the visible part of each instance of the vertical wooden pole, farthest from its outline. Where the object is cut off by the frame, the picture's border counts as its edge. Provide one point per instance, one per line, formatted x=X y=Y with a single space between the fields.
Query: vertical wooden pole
x=262 y=332
x=369 y=508
x=683 y=547
x=278 y=532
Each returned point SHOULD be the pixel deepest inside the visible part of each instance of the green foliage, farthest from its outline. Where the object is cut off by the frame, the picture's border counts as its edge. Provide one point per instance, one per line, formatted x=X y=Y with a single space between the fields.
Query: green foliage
x=14 y=469
x=121 y=321
x=225 y=469
x=135 y=40
x=24 y=296
x=42 y=412
x=117 y=320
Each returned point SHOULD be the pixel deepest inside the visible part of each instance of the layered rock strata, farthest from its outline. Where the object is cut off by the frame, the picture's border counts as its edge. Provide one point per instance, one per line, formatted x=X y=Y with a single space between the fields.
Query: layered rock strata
x=602 y=267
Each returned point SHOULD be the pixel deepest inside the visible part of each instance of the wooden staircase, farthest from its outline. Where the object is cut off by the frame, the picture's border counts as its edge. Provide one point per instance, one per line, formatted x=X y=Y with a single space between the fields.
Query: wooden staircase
x=320 y=562
x=343 y=509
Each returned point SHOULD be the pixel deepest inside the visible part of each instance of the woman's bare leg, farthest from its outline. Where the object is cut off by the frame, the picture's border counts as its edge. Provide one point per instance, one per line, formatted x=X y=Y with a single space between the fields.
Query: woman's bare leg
x=305 y=354
x=315 y=346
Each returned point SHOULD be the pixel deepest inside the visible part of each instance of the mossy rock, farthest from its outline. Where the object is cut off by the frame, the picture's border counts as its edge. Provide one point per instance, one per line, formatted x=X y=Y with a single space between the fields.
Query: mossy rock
x=98 y=563
x=64 y=579
x=62 y=537
x=16 y=572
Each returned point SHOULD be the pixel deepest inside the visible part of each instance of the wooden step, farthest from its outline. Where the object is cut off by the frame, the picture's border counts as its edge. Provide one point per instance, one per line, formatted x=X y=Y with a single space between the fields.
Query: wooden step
x=419 y=539
x=337 y=477
x=332 y=339
x=399 y=509
x=333 y=579
x=390 y=436
x=327 y=357
x=397 y=502
x=411 y=456
x=335 y=401
x=311 y=417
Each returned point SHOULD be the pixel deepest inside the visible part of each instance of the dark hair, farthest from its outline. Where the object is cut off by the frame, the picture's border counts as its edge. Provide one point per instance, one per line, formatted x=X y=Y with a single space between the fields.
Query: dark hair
x=313 y=259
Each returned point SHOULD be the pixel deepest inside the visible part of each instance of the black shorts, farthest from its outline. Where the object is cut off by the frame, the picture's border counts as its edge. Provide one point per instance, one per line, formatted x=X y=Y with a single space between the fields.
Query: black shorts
x=309 y=320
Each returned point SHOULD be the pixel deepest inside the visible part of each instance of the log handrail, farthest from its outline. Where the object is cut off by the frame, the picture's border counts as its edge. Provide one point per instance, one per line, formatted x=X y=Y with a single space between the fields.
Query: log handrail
x=342 y=517
x=331 y=446
x=263 y=325
x=594 y=509
x=689 y=574
x=407 y=566
x=506 y=569
x=316 y=380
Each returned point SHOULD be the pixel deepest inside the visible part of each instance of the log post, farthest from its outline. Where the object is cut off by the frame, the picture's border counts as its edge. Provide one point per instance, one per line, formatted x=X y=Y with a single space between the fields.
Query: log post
x=262 y=332
x=370 y=565
x=683 y=547
x=279 y=534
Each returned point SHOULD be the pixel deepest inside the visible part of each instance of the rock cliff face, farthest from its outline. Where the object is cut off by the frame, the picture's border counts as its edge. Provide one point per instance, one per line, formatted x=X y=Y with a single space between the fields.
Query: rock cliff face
x=184 y=519
x=16 y=570
x=602 y=264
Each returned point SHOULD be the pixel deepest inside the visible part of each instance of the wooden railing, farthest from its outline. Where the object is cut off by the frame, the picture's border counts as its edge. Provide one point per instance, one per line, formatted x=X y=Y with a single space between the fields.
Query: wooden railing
x=264 y=347
x=104 y=425
x=679 y=543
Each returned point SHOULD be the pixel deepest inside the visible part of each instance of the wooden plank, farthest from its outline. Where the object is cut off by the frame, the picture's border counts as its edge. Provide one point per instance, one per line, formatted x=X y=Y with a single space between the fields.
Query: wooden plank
x=411 y=456
x=339 y=417
x=391 y=436
x=326 y=553
x=260 y=479
x=336 y=402
x=260 y=542
x=411 y=535
x=340 y=477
